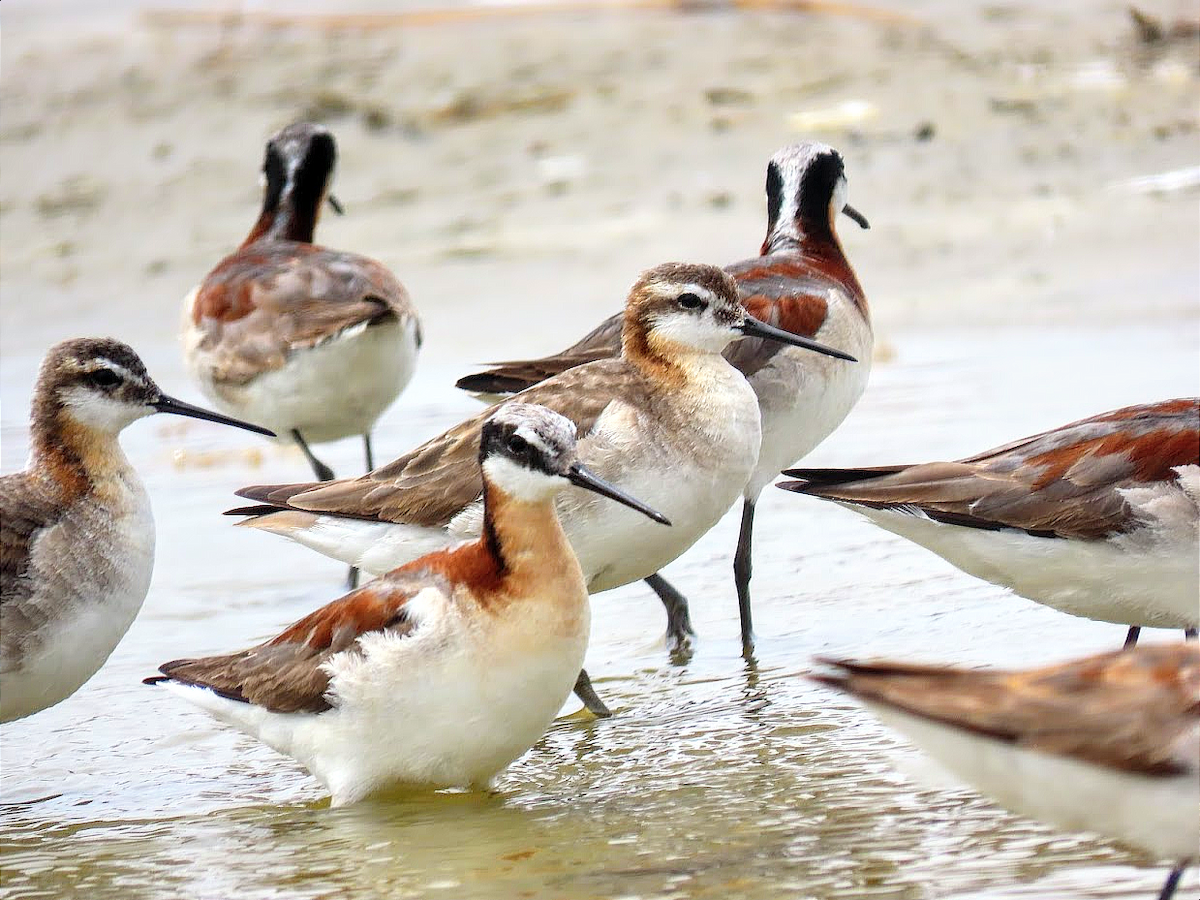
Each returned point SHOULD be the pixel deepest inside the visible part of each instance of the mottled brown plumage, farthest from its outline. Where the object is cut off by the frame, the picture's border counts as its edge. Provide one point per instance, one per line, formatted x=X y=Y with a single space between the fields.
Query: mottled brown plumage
x=1130 y=710
x=274 y=298
x=286 y=673
x=1068 y=482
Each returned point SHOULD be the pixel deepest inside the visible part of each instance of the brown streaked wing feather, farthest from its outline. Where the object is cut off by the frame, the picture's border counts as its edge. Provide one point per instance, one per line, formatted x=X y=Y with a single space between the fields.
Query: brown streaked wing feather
x=1067 y=481
x=430 y=485
x=27 y=505
x=266 y=301
x=602 y=342
x=1127 y=710
x=788 y=290
x=286 y=674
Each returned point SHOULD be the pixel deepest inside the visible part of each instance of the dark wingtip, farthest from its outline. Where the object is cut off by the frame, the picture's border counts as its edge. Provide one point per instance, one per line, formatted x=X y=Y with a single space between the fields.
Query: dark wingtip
x=838 y=680
x=491 y=383
x=252 y=511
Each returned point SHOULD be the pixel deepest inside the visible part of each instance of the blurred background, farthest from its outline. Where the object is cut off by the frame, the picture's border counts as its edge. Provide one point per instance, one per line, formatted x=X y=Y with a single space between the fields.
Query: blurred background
x=1031 y=174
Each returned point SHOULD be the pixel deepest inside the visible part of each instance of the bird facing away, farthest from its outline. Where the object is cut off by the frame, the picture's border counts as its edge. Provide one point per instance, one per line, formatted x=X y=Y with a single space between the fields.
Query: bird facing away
x=1109 y=743
x=310 y=342
x=1099 y=518
x=670 y=421
x=76 y=532
x=801 y=282
x=442 y=672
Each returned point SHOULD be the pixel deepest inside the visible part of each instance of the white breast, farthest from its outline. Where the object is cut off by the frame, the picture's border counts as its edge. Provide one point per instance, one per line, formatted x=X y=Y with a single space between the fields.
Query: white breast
x=91 y=572
x=692 y=476
x=804 y=396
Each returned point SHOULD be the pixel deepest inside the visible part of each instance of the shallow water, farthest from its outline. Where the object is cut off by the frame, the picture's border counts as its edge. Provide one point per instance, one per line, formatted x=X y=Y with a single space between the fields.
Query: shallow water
x=714 y=779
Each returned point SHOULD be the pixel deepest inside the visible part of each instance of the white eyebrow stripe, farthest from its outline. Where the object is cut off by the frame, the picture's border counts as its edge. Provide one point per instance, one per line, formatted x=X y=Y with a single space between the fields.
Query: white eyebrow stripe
x=117 y=368
x=532 y=437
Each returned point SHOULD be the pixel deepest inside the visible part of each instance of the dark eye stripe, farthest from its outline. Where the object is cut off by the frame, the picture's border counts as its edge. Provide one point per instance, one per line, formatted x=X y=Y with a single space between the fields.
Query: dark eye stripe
x=104 y=378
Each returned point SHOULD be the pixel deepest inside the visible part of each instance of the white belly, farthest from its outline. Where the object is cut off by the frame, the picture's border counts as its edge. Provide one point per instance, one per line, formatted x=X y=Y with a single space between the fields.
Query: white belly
x=1159 y=815
x=334 y=390
x=92 y=578
x=1125 y=581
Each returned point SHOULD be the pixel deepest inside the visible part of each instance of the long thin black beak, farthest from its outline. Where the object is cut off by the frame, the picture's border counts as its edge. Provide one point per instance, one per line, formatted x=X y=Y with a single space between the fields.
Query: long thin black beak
x=580 y=475
x=856 y=216
x=336 y=204
x=752 y=327
x=165 y=404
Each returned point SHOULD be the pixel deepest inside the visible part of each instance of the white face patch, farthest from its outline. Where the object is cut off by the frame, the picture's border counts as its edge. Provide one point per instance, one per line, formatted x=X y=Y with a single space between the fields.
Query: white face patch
x=101 y=412
x=701 y=332
x=520 y=483
x=840 y=192
x=699 y=329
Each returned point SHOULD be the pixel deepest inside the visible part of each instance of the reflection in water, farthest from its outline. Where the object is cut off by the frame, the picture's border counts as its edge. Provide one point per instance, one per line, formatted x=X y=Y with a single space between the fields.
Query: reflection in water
x=717 y=778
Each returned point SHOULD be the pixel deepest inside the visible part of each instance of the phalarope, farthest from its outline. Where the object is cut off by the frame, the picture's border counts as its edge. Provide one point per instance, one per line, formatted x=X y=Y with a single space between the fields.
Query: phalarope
x=802 y=283
x=310 y=342
x=76 y=531
x=1109 y=744
x=442 y=672
x=670 y=420
x=1099 y=518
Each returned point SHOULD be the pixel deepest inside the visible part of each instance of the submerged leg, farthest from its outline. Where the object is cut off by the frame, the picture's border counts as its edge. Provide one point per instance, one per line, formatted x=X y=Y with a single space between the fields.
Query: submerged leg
x=679 y=618
x=370 y=457
x=1131 y=636
x=322 y=471
x=742 y=569
x=1168 y=890
x=585 y=692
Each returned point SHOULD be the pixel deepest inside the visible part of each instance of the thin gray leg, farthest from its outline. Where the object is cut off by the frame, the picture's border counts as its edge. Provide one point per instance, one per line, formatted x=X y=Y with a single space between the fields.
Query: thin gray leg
x=1168 y=890
x=679 y=618
x=1189 y=634
x=322 y=471
x=585 y=692
x=367 y=451
x=742 y=569
x=1131 y=636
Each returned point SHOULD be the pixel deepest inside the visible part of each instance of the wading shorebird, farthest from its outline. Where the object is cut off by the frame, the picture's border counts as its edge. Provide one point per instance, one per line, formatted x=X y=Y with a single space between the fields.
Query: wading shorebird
x=802 y=283
x=1109 y=744
x=312 y=343
x=440 y=673
x=76 y=531
x=670 y=420
x=1099 y=518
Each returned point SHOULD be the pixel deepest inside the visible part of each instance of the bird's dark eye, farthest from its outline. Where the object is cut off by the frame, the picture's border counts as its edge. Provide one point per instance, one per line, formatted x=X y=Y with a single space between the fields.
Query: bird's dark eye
x=518 y=444
x=104 y=378
x=690 y=301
